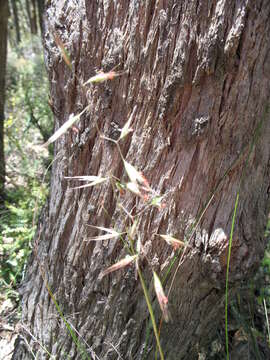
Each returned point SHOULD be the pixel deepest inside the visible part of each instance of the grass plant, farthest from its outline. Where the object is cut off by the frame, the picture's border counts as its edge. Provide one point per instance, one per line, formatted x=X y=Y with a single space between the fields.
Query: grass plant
x=138 y=186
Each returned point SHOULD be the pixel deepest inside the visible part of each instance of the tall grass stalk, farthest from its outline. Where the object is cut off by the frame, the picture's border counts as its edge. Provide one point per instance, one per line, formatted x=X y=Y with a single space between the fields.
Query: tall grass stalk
x=71 y=332
x=267 y=320
x=38 y=342
x=87 y=345
x=251 y=146
x=151 y=312
x=227 y=276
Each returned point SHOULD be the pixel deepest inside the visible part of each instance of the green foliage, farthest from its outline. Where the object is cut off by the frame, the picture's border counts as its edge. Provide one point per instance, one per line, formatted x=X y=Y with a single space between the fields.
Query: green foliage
x=28 y=125
x=28 y=116
x=263 y=279
x=17 y=233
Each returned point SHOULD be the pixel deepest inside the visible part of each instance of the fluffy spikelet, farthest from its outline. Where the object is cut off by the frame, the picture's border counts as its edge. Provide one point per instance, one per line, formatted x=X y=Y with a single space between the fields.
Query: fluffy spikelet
x=162 y=299
x=120 y=264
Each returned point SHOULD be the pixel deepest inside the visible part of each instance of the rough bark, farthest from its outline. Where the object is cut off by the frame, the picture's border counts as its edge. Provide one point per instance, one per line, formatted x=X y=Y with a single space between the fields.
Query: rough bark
x=198 y=73
x=3 y=62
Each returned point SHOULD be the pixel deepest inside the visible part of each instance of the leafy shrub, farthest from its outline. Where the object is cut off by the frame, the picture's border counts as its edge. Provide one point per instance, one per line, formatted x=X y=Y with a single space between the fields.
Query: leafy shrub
x=27 y=126
x=17 y=233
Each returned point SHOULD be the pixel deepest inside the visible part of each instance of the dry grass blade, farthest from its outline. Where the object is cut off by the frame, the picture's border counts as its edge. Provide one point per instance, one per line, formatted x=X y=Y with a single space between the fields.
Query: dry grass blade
x=173 y=241
x=120 y=264
x=162 y=299
x=126 y=128
x=115 y=349
x=64 y=52
x=134 y=188
x=135 y=176
x=140 y=191
x=125 y=210
x=93 y=354
x=93 y=180
x=88 y=185
x=37 y=342
x=72 y=119
x=84 y=177
x=101 y=77
x=110 y=234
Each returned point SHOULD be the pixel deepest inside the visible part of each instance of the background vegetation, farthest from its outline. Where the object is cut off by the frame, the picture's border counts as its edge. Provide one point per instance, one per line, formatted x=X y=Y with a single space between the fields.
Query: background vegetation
x=28 y=124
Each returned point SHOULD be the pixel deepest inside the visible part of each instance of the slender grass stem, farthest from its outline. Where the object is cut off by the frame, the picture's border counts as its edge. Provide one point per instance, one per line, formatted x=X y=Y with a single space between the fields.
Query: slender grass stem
x=227 y=276
x=250 y=148
x=151 y=312
x=71 y=332
x=267 y=321
x=38 y=342
x=74 y=338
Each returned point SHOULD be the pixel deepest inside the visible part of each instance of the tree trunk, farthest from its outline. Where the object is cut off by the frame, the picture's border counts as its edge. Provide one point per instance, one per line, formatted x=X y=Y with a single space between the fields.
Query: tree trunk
x=197 y=78
x=3 y=62
x=34 y=17
x=31 y=14
x=41 y=6
x=16 y=20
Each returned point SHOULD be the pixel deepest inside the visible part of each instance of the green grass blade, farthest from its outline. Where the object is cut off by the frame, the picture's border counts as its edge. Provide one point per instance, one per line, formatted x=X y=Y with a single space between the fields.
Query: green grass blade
x=251 y=146
x=227 y=276
x=71 y=332
x=151 y=312
x=267 y=321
